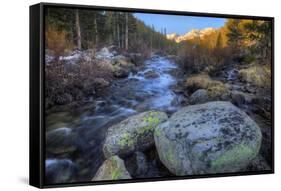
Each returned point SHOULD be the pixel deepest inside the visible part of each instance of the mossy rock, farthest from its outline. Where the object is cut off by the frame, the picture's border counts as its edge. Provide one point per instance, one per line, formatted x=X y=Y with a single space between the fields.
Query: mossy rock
x=215 y=137
x=112 y=169
x=132 y=134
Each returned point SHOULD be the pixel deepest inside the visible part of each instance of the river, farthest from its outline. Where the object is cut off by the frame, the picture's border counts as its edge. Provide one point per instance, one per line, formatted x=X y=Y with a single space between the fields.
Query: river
x=147 y=89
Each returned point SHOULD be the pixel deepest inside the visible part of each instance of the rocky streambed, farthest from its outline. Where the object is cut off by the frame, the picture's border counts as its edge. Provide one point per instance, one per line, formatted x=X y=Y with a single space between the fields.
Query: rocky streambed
x=141 y=128
x=74 y=139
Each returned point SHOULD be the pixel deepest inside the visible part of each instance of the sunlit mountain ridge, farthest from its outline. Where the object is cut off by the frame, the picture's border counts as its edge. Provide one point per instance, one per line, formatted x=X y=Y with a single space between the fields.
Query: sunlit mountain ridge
x=193 y=34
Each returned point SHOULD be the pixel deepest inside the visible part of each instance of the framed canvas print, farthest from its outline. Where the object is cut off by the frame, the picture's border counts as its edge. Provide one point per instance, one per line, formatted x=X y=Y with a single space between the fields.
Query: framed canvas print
x=130 y=95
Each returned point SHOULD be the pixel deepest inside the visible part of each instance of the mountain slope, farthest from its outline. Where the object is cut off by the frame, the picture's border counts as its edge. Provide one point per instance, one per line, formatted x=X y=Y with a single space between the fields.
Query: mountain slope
x=193 y=34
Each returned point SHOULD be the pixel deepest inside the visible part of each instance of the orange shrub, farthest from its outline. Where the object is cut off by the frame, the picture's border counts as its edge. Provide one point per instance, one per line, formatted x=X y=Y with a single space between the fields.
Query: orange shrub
x=57 y=41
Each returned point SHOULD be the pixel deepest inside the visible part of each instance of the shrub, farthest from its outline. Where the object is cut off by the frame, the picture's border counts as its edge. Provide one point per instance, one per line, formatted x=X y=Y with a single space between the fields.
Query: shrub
x=200 y=81
x=259 y=75
x=64 y=87
x=215 y=89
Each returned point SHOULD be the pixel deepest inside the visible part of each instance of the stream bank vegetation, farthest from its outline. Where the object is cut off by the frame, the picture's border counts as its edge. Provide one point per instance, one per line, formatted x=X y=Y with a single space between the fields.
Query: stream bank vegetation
x=96 y=59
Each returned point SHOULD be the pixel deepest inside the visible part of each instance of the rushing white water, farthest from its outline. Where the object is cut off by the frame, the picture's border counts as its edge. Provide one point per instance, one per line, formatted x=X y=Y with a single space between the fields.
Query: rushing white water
x=158 y=87
x=147 y=89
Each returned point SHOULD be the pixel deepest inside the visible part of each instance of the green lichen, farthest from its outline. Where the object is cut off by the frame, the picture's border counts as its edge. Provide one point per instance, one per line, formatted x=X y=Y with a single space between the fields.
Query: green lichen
x=234 y=156
x=115 y=174
x=157 y=132
x=152 y=121
x=126 y=140
x=170 y=155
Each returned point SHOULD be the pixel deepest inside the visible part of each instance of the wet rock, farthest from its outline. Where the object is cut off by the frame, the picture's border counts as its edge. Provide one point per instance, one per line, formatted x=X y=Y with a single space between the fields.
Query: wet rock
x=237 y=98
x=215 y=137
x=112 y=169
x=119 y=72
x=60 y=119
x=122 y=61
x=136 y=58
x=141 y=164
x=132 y=134
x=151 y=74
x=101 y=83
x=199 y=96
x=122 y=66
x=60 y=141
x=60 y=171
x=137 y=164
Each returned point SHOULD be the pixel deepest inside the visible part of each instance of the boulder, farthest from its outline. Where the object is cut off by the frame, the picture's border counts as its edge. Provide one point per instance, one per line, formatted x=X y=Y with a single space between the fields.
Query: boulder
x=199 y=96
x=60 y=171
x=215 y=137
x=132 y=134
x=120 y=72
x=136 y=58
x=122 y=66
x=60 y=141
x=137 y=164
x=112 y=169
x=239 y=98
x=122 y=61
x=104 y=53
x=141 y=163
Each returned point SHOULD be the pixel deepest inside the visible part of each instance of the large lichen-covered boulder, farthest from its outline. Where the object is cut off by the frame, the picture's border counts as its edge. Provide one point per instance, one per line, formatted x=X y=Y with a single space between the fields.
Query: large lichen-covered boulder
x=112 y=169
x=215 y=137
x=132 y=134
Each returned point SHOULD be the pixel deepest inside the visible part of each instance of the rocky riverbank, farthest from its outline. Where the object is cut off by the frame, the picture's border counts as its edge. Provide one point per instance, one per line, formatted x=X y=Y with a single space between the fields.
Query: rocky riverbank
x=153 y=120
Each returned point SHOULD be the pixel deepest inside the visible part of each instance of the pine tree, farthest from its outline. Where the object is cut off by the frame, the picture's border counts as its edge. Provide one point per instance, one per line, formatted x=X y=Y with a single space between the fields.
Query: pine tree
x=235 y=34
x=126 y=31
x=78 y=31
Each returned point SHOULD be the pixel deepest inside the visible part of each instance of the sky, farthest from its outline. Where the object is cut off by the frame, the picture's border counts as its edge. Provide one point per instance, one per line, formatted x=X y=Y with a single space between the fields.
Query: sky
x=179 y=24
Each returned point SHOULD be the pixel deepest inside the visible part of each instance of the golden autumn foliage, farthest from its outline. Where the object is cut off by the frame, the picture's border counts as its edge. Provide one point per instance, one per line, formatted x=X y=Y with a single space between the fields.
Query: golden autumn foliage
x=57 y=41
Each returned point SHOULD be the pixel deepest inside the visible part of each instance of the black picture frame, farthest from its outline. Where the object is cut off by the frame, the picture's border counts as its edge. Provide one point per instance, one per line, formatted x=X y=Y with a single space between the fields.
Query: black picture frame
x=37 y=94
